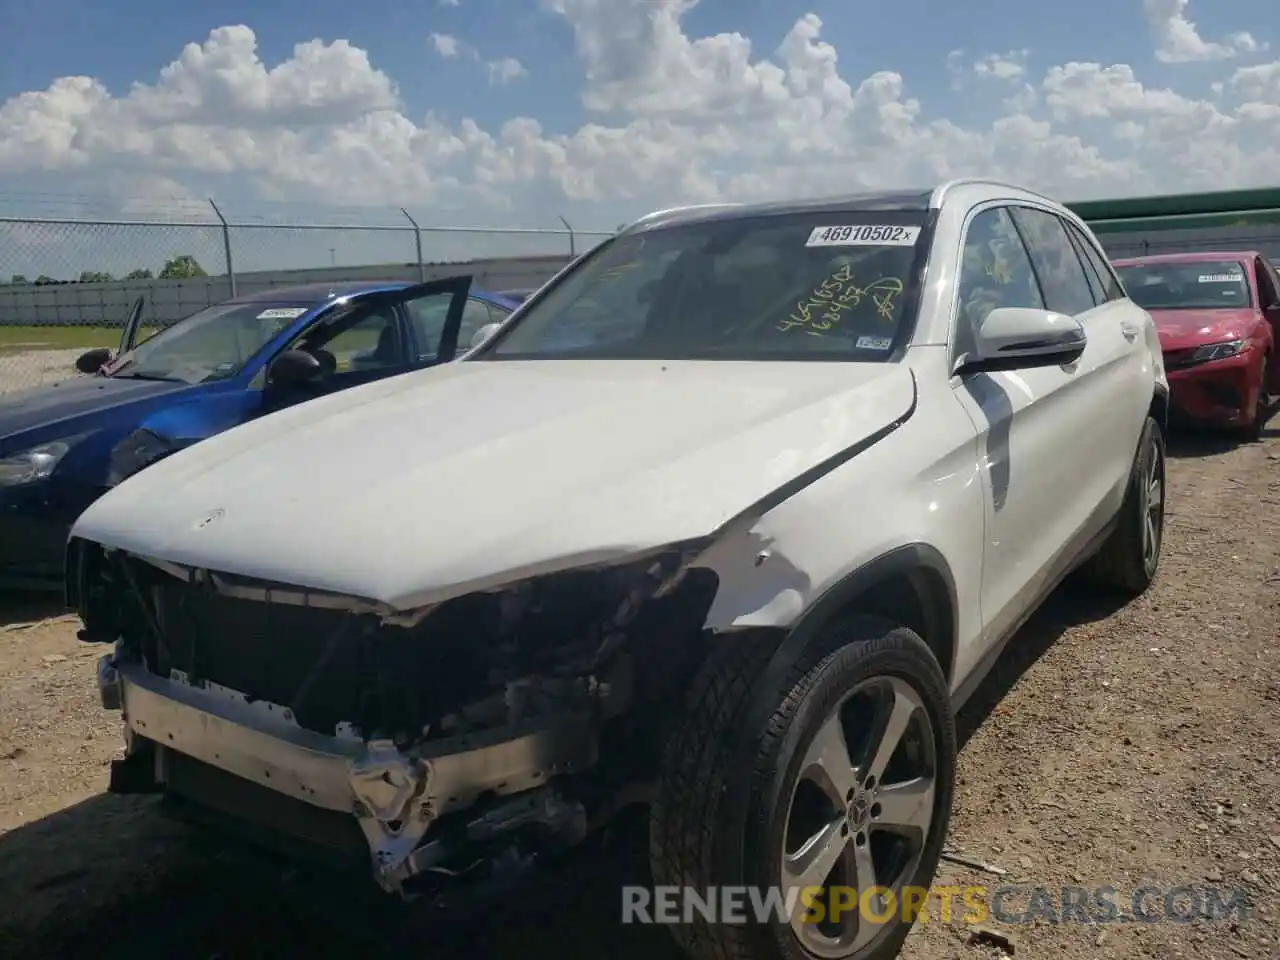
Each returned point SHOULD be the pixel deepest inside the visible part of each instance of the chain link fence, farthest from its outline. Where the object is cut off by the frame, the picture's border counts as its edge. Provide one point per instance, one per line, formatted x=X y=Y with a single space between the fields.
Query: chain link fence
x=66 y=285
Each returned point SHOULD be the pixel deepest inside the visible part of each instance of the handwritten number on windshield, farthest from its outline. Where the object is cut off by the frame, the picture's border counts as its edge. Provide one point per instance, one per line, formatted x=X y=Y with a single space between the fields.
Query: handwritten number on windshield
x=826 y=305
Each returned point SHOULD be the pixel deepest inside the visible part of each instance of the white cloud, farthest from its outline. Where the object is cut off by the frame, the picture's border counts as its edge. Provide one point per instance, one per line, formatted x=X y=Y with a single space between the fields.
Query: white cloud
x=1178 y=39
x=955 y=63
x=1003 y=66
x=501 y=71
x=505 y=70
x=673 y=118
x=1259 y=83
x=450 y=3
x=447 y=46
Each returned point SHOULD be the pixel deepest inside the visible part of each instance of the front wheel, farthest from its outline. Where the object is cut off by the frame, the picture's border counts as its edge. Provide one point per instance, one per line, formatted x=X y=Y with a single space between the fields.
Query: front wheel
x=837 y=823
x=1264 y=407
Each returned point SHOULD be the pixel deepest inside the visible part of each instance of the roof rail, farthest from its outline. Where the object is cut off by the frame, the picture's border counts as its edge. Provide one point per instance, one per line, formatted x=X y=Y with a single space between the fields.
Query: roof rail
x=940 y=193
x=657 y=214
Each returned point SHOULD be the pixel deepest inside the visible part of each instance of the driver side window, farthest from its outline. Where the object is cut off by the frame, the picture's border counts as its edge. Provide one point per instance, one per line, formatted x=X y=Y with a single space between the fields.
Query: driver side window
x=995 y=272
x=370 y=343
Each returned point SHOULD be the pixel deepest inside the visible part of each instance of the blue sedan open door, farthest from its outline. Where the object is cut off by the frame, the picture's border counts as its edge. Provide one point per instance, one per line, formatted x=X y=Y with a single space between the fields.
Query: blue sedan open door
x=369 y=337
x=129 y=335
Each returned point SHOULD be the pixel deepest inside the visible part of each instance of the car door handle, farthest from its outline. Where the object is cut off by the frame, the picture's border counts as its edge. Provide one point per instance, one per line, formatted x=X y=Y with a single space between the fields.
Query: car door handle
x=1130 y=330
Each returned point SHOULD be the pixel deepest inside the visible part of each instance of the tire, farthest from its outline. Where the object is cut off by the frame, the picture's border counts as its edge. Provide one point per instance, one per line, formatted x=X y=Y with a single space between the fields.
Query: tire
x=1128 y=560
x=732 y=794
x=1252 y=431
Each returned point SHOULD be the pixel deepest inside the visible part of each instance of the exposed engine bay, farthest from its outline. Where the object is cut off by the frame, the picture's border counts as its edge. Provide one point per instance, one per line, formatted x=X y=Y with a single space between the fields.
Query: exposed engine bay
x=486 y=729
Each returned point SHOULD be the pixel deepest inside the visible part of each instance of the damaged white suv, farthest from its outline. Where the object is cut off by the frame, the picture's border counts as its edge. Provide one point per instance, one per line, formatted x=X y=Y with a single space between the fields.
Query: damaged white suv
x=728 y=519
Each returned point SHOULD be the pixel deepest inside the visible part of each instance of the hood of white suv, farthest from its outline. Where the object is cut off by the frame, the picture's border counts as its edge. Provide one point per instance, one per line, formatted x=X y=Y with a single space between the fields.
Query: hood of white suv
x=471 y=475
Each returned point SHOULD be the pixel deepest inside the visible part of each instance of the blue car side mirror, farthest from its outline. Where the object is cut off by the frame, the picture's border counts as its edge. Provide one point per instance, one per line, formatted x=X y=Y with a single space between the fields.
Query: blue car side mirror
x=91 y=361
x=294 y=368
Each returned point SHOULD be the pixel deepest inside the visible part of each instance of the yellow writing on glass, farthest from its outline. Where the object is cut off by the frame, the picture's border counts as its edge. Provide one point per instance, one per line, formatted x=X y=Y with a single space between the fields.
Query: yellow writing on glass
x=619 y=269
x=830 y=300
x=999 y=268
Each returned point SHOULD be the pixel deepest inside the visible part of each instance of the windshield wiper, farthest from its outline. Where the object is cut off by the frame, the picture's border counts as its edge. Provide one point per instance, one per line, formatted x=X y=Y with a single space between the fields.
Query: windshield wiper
x=146 y=376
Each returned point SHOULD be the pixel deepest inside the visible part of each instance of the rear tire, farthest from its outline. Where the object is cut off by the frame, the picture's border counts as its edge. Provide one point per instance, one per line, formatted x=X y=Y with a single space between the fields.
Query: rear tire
x=753 y=807
x=1130 y=557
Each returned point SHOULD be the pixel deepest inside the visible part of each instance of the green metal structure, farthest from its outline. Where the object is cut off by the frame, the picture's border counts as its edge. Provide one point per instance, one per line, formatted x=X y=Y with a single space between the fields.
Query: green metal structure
x=1191 y=211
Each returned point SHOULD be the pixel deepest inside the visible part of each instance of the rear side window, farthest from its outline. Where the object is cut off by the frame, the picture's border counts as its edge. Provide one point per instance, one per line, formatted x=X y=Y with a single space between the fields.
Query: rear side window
x=1101 y=268
x=1061 y=274
x=1090 y=272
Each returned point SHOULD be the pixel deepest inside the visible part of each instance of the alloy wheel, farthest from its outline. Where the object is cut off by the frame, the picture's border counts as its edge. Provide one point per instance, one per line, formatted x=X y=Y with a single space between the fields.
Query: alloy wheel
x=1153 y=507
x=860 y=815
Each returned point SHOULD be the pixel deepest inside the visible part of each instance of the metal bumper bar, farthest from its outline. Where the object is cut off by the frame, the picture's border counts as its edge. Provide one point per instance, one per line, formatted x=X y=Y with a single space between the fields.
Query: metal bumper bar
x=396 y=795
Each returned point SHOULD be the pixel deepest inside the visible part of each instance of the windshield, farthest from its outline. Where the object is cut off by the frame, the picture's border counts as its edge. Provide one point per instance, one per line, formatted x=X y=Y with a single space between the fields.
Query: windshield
x=826 y=285
x=1200 y=285
x=210 y=345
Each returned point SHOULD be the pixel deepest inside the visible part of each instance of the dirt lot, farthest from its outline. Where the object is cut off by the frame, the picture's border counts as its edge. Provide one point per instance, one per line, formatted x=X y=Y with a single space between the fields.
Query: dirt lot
x=1111 y=748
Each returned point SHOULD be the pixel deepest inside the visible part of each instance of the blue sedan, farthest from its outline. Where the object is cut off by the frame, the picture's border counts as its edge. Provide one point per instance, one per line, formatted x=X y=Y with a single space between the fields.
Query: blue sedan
x=65 y=444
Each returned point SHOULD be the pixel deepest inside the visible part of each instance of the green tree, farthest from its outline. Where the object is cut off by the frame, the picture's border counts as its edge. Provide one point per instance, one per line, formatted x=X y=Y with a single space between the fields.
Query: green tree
x=95 y=276
x=182 y=267
x=142 y=273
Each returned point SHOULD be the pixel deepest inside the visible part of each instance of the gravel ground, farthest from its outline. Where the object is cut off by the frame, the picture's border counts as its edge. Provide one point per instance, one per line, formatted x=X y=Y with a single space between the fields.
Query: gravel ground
x=31 y=368
x=1111 y=748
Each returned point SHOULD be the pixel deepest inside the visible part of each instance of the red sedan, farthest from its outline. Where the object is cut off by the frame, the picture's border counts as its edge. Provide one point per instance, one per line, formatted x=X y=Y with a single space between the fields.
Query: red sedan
x=1218 y=315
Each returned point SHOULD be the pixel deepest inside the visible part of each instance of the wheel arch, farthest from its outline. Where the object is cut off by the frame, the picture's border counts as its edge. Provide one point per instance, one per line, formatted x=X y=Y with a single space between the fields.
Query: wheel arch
x=911 y=584
x=1159 y=409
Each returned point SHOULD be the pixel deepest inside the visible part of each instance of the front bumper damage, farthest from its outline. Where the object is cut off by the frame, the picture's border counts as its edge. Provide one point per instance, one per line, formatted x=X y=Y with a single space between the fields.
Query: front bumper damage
x=396 y=796
x=451 y=748
x=1217 y=392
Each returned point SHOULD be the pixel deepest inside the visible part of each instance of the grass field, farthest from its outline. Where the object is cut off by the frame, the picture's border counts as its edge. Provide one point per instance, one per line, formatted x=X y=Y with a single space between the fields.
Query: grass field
x=28 y=339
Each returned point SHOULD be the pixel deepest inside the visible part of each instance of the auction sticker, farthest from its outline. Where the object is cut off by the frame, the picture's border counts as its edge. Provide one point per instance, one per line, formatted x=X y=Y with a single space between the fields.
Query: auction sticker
x=282 y=313
x=865 y=235
x=1220 y=278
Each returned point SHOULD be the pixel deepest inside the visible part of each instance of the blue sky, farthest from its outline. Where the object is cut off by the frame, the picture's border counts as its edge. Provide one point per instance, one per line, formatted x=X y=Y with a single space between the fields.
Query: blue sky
x=130 y=40
x=638 y=103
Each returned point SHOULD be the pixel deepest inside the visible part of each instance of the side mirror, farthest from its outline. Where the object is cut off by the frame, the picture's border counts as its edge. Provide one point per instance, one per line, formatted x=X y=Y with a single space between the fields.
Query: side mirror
x=1016 y=337
x=483 y=334
x=295 y=368
x=91 y=361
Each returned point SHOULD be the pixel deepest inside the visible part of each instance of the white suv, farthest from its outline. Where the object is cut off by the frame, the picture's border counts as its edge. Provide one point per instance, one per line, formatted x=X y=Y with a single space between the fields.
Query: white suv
x=728 y=519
